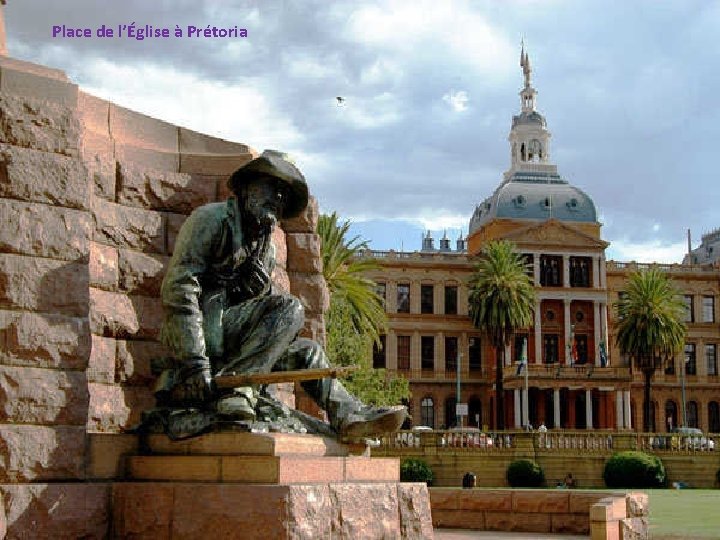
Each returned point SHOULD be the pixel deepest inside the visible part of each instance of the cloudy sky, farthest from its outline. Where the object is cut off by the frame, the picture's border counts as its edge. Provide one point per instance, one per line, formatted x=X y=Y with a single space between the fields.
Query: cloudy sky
x=629 y=90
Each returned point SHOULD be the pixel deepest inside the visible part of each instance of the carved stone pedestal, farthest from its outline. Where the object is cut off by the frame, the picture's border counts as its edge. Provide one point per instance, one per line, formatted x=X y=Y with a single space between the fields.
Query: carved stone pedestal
x=243 y=485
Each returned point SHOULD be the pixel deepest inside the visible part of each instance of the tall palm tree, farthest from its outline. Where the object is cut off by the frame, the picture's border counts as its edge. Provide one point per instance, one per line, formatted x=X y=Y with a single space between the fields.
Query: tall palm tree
x=502 y=300
x=343 y=270
x=651 y=327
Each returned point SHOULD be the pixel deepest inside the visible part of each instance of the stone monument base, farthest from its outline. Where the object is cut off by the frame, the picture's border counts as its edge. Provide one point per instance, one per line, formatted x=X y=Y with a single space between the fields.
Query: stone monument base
x=271 y=485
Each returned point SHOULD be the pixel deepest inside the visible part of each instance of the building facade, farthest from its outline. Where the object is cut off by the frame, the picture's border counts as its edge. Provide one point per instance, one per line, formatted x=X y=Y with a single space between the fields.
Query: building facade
x=575 y=377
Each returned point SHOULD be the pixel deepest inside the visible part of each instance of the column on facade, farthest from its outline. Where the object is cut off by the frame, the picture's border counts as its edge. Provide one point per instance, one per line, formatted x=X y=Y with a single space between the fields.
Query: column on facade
x=588 y=409
x=462 y=299
x=619 y=424
x=628 y=412
x=595 y=271
x=538 y=332
x=700 y=364
x=566 y=270
x=568 y=330
x=604 y=329
x=518 y=420
x=508 y=355
x=391 y=296
x=439 y=363
x=603 y=272
x=556 y=407
x=415 y=353
x=525 y=407
x=391 y=350
x=597 y=331
x=438 y=298
x=415 y=297
x=536 y=269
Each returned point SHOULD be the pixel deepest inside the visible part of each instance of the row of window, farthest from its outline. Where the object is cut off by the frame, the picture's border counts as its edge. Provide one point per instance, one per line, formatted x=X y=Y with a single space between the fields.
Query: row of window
x=427 y=353
x=691 y=410
x=691 y=360
x=427 y=412
x=427 y=298
x=551 y=270
x=551 y=348
x=708 y=308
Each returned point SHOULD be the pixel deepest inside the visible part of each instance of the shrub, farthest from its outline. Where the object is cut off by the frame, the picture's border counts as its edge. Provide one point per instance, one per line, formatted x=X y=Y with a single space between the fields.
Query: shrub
x=632 y=469
x=717 y=476
x=525 y=473
x=416 y=470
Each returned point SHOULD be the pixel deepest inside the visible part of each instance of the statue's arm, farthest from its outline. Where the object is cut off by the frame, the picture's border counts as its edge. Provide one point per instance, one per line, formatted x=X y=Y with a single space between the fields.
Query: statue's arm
x=182 y=329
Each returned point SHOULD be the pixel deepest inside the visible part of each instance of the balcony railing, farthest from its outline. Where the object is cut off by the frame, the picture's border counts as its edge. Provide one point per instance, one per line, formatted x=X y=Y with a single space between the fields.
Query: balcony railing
x=465 y=439
x=562 y=371
x=670 y=268
x=678 y=443
x=392 y=255
x=553 y=441
x=558 y=441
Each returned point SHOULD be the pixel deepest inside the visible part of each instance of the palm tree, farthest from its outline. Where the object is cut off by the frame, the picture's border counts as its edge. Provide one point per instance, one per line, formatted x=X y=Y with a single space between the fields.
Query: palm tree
x=502 y=299
x=651 y=328
x=343 y=269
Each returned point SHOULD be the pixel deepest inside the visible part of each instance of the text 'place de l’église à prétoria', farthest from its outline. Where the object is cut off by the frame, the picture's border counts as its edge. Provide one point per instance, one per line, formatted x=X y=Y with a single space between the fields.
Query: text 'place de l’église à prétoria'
x=577 y=378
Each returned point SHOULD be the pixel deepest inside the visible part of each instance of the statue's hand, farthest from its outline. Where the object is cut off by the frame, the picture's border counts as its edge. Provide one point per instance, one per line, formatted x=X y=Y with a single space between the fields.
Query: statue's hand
x=257 y=277
x=252 y=279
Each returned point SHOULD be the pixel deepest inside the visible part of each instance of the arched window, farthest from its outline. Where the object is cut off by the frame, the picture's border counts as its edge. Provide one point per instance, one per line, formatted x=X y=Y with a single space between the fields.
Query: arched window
x=427 y=412
x=713 y=417
x=670 y=415
x=450 y=418
x=692 y=414
x=534 y=150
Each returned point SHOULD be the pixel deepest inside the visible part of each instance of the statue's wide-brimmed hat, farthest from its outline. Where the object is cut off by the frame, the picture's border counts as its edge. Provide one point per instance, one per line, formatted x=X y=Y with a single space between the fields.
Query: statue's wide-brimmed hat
x=278 y=165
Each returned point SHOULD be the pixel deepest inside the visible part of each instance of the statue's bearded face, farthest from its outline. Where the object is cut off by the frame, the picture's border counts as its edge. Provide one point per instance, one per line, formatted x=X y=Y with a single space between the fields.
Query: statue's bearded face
x=263 y=200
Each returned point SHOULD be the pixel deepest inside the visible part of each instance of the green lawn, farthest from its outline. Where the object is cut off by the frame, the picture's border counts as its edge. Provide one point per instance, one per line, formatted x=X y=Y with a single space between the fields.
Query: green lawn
x=684 y=513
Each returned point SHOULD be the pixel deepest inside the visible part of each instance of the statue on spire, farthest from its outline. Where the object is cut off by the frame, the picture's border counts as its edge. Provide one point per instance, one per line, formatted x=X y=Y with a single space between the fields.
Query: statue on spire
x=525 y=64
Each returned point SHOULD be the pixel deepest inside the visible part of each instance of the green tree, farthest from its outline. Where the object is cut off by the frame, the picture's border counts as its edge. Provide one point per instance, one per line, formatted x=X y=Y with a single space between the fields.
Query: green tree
x=344 y=271
x=502 y=300
x=651 y=328
x=356 y=317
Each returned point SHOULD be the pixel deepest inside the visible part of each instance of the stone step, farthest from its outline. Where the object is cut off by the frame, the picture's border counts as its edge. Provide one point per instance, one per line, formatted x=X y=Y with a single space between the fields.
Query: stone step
x=256 y=444
x=172 y=510
x=263 y=469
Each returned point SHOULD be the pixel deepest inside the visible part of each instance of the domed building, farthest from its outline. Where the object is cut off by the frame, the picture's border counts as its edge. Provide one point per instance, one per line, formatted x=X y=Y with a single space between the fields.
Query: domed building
x=575 y=378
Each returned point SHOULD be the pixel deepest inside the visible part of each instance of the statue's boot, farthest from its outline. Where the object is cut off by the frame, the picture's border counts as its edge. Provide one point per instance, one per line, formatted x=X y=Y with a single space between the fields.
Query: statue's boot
x=349 y=417
x=238 y=405
x=370 y=421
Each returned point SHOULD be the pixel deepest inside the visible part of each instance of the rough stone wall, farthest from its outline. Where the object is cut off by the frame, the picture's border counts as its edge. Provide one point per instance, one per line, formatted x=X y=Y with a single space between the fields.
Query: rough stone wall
x=145 y=176
x=92 y=196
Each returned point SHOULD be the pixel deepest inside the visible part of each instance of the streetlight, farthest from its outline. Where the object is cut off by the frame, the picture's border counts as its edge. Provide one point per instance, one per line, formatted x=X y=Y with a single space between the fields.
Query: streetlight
x=458 y=416
x=682 y=382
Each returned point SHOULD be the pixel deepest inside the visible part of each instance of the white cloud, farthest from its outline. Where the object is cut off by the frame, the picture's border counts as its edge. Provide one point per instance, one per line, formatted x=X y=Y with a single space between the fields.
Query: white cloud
x=239 y=113
x=457 y=100
x=646 y=252
x=430 y=25
x=370 y=112
x=300 y=65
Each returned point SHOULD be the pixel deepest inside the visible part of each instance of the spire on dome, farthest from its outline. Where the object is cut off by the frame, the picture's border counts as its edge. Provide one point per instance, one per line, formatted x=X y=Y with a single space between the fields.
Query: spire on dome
x=525 y=64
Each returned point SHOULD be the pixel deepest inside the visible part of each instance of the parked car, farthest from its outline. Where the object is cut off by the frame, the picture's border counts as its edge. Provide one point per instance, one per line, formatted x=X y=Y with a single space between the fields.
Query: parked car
x=692 y=438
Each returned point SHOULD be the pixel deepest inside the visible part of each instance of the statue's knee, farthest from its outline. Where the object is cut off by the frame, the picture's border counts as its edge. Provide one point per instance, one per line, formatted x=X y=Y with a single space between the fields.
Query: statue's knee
x=290 y=307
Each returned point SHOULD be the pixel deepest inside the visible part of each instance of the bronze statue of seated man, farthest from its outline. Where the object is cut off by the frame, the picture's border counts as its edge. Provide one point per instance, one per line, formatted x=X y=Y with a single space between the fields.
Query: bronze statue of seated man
x=222 y=315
